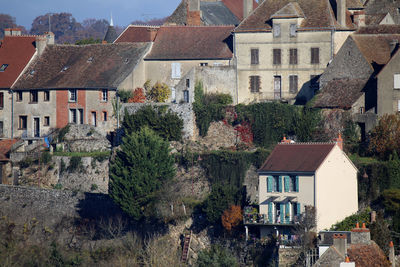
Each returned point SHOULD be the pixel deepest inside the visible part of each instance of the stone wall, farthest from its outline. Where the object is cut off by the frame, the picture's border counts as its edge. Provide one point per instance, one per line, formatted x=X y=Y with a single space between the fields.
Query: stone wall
x=85 y=138
x=184 y=111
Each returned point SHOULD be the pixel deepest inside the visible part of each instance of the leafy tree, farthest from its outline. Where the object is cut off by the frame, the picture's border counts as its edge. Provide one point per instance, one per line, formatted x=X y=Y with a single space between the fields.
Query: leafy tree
x=391 y=200
x=220 y=198
x=160 y=92
x=124 y=96
x=6 y=21
x=139 y=171
x=165 y=123
x=350 y=222
x=385 y=137
x=216 y=256
x=305 y=230
x=380 y=232
x=88 y=41
x=231 y=217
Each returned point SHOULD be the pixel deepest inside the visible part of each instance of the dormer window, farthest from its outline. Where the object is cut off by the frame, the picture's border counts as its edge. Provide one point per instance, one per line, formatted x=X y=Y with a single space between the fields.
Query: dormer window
x=90 y=60
x=277 y=30
x=3 y=67
x=293 y=29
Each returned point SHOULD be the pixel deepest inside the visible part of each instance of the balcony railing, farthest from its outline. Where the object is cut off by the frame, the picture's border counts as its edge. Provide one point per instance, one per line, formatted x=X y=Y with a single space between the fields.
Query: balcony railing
x=263 y=219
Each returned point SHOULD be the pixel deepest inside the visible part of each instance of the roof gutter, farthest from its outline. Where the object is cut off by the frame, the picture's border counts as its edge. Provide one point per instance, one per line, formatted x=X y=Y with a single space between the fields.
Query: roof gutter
x=284 y=172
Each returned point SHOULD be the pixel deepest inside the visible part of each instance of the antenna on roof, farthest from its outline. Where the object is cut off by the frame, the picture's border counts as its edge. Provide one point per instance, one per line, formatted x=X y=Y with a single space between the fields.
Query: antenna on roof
x=111 y=21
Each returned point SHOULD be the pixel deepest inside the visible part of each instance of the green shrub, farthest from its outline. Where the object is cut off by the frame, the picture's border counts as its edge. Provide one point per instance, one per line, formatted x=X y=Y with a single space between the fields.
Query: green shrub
x=63 y=167
x=75 y=164
x=45 y=157
x=57 y=186
x=124 y=95
x=350 y=221
x=216 y=256
x=25 y=163
x=62 y=133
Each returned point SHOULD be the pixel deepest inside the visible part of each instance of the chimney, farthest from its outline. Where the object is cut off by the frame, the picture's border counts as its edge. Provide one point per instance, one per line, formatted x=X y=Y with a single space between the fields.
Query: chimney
x=359 y=18
x=43 y=40
x=12 y=32
x=339 y=141
x=347 y=263
x=391 y=254
x=193 y=13
x=286 y=141
x=247 y=8
x=340 y=243
x=341 y=12
x=360 y=235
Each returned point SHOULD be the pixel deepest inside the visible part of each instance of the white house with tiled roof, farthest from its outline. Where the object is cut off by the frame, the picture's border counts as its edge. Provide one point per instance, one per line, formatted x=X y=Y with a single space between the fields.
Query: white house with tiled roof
x=296 y=175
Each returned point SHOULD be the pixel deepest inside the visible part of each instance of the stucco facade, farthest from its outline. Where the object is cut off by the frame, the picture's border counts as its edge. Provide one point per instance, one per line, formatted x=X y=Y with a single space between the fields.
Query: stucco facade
x=5 y=114
x=331 y=189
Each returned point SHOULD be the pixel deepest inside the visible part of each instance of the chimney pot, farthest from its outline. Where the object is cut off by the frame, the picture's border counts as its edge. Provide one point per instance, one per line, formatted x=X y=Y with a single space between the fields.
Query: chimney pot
x=363 y=226
x=357 y=225
x=392 y=254
x=339 y=141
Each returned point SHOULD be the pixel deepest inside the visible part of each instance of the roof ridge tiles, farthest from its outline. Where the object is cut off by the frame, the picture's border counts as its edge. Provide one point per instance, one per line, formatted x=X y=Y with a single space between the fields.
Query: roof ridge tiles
x=144 y=25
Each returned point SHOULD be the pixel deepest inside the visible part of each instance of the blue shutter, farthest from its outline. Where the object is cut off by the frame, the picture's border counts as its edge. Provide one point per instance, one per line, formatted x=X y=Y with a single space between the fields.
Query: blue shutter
x=287 y=183
x=287 y=212
x=270 y=212
x=298 y=209
x=280 y=183
x=269 y=183
x=282 y=212
x=297 y=183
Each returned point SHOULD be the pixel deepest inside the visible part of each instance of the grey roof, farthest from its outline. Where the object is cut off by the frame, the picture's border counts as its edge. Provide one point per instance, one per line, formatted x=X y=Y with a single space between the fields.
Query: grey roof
x=216 y=13
x=111 y=35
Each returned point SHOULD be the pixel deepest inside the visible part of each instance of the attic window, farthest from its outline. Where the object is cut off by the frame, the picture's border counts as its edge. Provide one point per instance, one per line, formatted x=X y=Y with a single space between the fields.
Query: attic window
x=90 y=59
x=3 y=67
x=65 y=68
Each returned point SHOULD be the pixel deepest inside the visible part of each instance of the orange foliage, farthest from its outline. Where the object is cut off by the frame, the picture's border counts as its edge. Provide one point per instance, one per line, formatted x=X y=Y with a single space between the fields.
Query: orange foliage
x=385 y=137
x=232 y=217
x=137 y=96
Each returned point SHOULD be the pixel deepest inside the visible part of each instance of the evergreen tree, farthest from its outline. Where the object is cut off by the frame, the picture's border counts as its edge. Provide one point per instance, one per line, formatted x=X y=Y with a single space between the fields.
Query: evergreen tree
x=138 y=172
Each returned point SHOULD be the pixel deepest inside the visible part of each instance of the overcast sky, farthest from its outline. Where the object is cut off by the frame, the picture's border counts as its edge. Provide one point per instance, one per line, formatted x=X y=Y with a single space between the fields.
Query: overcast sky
x=123 y=11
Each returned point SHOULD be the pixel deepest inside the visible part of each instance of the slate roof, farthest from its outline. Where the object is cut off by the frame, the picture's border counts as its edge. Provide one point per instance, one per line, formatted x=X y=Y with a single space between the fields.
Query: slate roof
x=216 y=13
x=5 y=147
x=367 y=255
x=340 y=93
x=85 y=66
x=137 y=34
x=318 y=14
x=297 y=157
x=224 y=12
x=192 y=42
x=291 y=10
x=111 y=35
x=379 y=29
x=16 y=51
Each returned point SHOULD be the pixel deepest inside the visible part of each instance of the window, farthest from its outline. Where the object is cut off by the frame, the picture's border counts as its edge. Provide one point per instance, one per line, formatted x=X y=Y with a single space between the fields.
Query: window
x=33 y=96
x=19 y=96
x=277 y=57
x=398 y=105
x=293 y=29
x=293 y=56
x=187 y=83
x=94 y=118
x=104 y=95
x=1 y=128
x=274 y=184
x=314 y=55
x=46 y=121
x=72 y=116
x=80 y=116
x=104 y=115
x=22 y=122
x=293 y=81
x=1 y=100
x=46 y=96
x=3 y=67
x=254 y=84
x=254 y=56
x=396 y=81
x=203 y=64
x=277 y=30
x=186 y=96
x=72 y=95
x=291 y=183
x=176 y=70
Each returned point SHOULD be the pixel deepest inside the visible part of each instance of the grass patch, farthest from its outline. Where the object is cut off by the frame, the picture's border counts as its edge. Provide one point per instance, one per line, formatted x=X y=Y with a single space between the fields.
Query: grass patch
x=94 y=154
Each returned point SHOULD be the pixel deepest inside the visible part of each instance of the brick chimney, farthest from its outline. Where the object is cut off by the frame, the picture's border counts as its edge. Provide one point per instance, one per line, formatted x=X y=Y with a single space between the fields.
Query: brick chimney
x=247 y=8
x=193 y=13
x=12 y=32
x=340 y=243
x=360 y=235
x=341 y=12
x=339 y=141
x=286 y=141
x=43 y=40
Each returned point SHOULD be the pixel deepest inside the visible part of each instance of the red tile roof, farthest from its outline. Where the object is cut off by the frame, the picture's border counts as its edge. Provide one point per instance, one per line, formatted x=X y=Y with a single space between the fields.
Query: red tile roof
x=16 y=51
x=137 y=33
x=236 y=6
x=318 y=14
x=192 y=42
x=367 y=255
x=300 y=157
x=5 y=147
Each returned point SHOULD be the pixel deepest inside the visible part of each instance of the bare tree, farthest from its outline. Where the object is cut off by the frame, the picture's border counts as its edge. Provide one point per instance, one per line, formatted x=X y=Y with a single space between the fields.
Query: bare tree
x=305 y=231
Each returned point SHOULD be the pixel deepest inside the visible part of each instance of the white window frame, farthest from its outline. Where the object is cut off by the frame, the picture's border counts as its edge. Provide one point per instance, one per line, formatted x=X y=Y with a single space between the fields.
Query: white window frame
x=104 y=95
x=73 y=112
x=72 y=95
x=175 y=70
x=396 y=81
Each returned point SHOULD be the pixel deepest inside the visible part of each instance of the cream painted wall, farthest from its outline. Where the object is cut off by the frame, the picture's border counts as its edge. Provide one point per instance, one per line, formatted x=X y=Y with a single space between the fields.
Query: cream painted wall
x=136 y=79
x=336 y=189
x=265 y=42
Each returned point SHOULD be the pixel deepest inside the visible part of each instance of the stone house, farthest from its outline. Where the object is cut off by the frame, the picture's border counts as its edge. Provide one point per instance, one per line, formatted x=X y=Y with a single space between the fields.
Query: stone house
x=296 y=175
x=5 y=163
x=74 y=84
x=283 y=46
x=16 y=52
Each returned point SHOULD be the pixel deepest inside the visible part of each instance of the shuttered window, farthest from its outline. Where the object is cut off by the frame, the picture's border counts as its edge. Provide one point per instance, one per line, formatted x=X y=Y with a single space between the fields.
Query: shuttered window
x=270 y=183
x=293 y=84
x=314 y=55
x=293 y=56
x=254 y=57
x=277 y=57
x=254 y=84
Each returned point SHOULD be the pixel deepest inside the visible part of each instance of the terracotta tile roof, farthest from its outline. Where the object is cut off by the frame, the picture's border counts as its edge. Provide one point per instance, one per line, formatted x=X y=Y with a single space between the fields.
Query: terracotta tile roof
x=318 y=14
x=137 y=33
x=300 y=157
x=16 y=51
x=379 y=29
x=85 y=66
x=5 y=147
x=367 y=255
x=340 y=94
x=375 y=47
x=236 y=6
x=192 y=42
